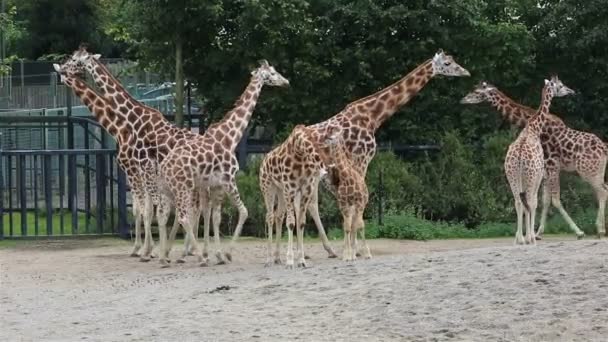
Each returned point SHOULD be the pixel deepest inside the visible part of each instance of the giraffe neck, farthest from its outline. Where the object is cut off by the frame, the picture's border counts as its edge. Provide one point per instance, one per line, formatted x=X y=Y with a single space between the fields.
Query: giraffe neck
x=235 y=122
x=511 y=111
x=537 y=122
x=381 y=105
x=109 y=119
x=111 y=88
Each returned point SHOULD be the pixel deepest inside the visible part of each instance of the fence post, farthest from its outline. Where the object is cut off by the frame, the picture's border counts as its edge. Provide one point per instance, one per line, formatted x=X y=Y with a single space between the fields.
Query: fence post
x=1 y=192
x=380 y=199
x=22 y=193
x=48 y=194
x=68 y=114
x=123 y=228
x=73 y=191
x=100 y=176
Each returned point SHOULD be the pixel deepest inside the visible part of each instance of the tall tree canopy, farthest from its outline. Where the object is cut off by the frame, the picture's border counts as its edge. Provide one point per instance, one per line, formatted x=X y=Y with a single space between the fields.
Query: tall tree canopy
x=58 y=26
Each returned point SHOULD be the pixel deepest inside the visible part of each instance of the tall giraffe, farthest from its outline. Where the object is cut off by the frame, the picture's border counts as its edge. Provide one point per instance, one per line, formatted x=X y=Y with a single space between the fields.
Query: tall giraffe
x=565 y=149
x=524 y=163
x=361 y=119
x=155 y=136
x=287 y=174
x=119 y=127
x=208 y=162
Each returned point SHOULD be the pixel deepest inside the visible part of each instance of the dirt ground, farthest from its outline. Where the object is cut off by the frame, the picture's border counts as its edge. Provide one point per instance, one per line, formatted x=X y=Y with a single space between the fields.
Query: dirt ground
x=453 y=290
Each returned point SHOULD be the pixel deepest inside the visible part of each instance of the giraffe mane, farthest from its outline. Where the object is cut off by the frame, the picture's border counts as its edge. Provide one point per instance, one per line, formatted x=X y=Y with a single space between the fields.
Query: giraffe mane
x=363 y=99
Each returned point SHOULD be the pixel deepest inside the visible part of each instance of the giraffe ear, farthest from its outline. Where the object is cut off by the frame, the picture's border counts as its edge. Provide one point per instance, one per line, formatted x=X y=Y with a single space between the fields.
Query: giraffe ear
x=264 y=63
x=96 y=56
x=57 y=67
x=546 y=81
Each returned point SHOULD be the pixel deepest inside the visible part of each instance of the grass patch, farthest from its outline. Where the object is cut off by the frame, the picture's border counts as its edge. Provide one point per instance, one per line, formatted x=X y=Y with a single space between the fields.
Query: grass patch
x=410 y=227
x=38 y=224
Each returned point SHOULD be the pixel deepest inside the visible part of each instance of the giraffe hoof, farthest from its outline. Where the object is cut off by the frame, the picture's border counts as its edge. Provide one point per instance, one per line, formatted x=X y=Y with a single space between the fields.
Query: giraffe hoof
x=228 y=256
x=358 y=254
x=144 y=259
x=190 y=253
x=581 y=236
x=278 y=261
x=134 y=255
x=221 y=262
x=302 y=264
x=164 y=263
x=306 y=257
x=538 y=237
x=332 y=256
x=181 y=261
x=203 y=264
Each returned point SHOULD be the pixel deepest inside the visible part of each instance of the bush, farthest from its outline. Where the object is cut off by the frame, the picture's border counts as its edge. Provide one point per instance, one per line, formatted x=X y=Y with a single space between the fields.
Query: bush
x=463 y=184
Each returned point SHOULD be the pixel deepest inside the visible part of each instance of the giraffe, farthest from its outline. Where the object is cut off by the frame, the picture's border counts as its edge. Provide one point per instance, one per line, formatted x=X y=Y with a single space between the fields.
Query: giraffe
x=119 y=127
x=208 y=162
x=565 y=149
x=287 y=174
x=524 y=163
x=360 y=119
x=351 y=193
x=155 y=137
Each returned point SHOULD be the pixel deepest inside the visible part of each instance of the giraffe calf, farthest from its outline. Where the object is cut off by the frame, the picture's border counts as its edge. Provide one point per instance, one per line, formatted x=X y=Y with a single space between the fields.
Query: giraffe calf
x=288 y=173
x=524 y=163
x=351 y=194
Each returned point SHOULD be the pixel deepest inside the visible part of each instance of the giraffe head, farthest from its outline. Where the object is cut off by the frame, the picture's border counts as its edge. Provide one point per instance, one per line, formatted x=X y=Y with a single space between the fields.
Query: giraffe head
x=445 y=65
x=482 y=92
x=77 y=63
x=556 y=88
x=269 y=75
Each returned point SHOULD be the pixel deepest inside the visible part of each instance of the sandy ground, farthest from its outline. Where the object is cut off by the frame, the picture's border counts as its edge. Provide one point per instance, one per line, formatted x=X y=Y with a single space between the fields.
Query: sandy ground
x=456 y=290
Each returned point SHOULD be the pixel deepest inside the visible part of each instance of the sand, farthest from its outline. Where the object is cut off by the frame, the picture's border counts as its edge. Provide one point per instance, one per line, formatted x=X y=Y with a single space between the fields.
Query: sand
x=454 y=290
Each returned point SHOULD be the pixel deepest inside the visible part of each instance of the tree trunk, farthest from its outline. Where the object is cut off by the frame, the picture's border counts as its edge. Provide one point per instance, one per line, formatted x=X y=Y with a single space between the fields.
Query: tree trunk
x=179 y=82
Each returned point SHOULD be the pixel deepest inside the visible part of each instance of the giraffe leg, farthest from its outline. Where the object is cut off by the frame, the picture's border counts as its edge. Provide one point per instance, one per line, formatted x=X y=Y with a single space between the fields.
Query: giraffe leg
x=347 y=226
x=291 y=222
x=521 y=212
x=137 y=203
x=148 y=242
x=163 y=210
x=300 y=221
x=233 y=192
x=313 y=209
x=269 y=199
x=204 y=208
x=546 y=202
x=359 y=224
x=278 y=220
x=217 y=219
x=554 y=189
x=353 y=238
x=532 y=203
x=601 y=192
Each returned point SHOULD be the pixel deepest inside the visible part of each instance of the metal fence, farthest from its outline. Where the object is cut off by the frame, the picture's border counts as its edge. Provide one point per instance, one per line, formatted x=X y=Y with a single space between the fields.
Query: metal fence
x=58 y=175
x=63 y=180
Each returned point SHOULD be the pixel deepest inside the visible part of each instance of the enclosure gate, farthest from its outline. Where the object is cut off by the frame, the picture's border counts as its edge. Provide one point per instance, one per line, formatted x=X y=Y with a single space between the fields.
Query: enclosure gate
x=61 y=193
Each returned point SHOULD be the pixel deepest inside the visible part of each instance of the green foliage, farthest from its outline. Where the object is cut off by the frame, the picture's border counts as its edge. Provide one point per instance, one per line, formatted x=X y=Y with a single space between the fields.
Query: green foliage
x=58 y=26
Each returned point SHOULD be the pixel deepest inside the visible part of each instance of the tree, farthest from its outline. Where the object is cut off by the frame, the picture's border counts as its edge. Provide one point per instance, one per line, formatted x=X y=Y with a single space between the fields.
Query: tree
x=58 y=26
x=161 y=31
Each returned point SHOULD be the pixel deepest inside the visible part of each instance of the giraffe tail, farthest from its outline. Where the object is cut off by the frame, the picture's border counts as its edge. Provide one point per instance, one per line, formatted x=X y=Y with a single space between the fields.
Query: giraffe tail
x=522 y=196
